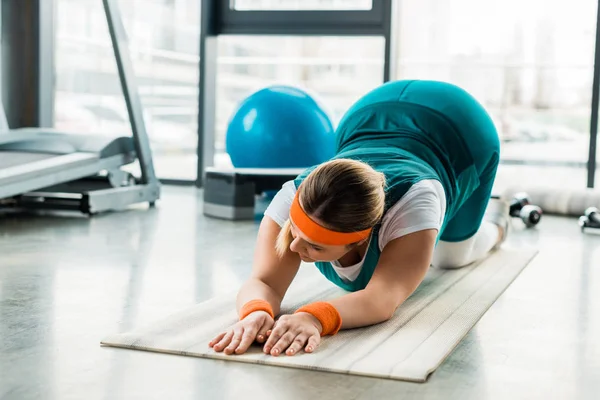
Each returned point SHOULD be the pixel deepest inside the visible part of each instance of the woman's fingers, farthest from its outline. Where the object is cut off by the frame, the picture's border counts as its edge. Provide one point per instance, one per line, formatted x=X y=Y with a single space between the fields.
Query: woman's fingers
x=289 y=335
x=283 y=343
x=225 y=340
x=274 y=336
x=313 y=343
x=235 y=341
x=297 y=344
x=264 y=332
x=248 y=337
x=217 y=339
x=279 y=329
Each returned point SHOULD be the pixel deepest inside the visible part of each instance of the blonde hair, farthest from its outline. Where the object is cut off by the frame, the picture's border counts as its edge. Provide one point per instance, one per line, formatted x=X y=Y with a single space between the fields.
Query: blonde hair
x=344 y=195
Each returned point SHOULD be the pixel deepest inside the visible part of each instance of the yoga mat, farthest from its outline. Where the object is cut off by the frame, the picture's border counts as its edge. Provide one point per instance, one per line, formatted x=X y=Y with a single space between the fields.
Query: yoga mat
x=410 y=346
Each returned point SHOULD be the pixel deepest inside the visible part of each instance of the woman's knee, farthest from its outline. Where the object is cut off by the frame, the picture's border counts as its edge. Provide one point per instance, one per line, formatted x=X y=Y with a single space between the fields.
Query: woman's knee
x=466 y=252
x=453 y=254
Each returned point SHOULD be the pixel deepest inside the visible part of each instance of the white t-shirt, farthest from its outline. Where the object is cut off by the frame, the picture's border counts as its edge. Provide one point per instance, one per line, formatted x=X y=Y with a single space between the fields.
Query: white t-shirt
x=422 y=207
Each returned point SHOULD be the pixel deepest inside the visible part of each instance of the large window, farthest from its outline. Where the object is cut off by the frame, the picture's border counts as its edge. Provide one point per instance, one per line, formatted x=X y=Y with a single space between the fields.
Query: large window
x=530 y=62
x=531 y=69
x=164 y=44
x=337 y=69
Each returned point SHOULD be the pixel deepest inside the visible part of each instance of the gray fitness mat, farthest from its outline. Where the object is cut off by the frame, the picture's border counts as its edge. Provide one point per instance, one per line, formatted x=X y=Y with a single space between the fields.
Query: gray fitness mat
x=410 y=346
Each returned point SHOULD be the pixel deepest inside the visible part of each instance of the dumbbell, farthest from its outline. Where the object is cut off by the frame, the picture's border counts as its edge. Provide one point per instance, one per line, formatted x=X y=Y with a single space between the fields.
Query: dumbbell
x=520 y=207
x=590 y=219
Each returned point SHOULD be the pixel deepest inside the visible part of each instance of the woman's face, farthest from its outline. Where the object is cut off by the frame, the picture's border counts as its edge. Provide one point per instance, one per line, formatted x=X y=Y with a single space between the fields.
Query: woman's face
x=310 y=251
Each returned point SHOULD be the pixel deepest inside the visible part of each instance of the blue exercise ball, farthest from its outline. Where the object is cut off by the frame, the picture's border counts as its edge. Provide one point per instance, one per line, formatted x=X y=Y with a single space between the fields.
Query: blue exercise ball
x=280 y=127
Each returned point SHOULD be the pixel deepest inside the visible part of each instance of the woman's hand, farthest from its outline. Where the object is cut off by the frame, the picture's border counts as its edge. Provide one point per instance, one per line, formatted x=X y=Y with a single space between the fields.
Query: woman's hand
x=292 y=333
x=242 y=334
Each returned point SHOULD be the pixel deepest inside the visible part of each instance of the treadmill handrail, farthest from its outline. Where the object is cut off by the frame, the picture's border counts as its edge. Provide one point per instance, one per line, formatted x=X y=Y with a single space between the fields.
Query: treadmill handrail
x=118 y=37
x=19 y=136
x=8 y=175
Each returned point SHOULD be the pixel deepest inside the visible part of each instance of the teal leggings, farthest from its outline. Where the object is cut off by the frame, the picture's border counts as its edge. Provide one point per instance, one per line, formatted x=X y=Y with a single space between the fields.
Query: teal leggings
x=473 y=124
x=467 y=220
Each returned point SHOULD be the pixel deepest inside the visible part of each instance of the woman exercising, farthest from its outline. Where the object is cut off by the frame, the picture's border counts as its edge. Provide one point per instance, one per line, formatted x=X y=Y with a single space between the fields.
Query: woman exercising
x=409 y=187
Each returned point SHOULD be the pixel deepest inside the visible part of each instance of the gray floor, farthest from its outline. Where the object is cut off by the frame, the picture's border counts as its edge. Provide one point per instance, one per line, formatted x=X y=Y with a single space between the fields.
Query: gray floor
x=65 y=282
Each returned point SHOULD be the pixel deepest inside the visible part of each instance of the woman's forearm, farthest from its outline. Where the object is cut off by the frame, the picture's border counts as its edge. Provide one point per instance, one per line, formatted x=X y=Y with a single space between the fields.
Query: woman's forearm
x=271 y=274
x=360 y=309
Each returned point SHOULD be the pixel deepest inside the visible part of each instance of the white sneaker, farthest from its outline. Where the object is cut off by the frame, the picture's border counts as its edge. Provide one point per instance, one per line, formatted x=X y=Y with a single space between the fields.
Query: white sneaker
x=498 y=212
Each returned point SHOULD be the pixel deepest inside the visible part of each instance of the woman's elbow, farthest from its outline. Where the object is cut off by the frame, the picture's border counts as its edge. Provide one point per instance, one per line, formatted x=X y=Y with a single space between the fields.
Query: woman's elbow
x=382 y=304
x=386 y=308
x=390 y=311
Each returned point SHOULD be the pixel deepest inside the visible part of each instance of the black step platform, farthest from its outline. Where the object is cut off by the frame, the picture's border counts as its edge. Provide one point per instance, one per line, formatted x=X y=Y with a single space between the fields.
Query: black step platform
x=231 y=193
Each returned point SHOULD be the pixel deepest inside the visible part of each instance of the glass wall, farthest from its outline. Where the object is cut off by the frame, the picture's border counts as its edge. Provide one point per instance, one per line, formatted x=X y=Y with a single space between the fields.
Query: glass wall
x=164 y=44
x=532 y=69
x=336 y=69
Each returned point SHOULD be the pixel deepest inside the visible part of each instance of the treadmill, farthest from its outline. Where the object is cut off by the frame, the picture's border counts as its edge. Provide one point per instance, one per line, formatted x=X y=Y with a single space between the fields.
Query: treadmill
x=42 y=168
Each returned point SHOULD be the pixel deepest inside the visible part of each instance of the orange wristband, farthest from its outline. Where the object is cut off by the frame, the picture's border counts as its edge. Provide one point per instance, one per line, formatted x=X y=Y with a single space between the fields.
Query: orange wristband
x=256 y=305
x=327 y=314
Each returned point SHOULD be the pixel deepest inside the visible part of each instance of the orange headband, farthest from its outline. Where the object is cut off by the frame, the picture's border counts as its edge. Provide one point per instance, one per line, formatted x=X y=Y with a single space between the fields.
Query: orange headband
x=319 y=234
